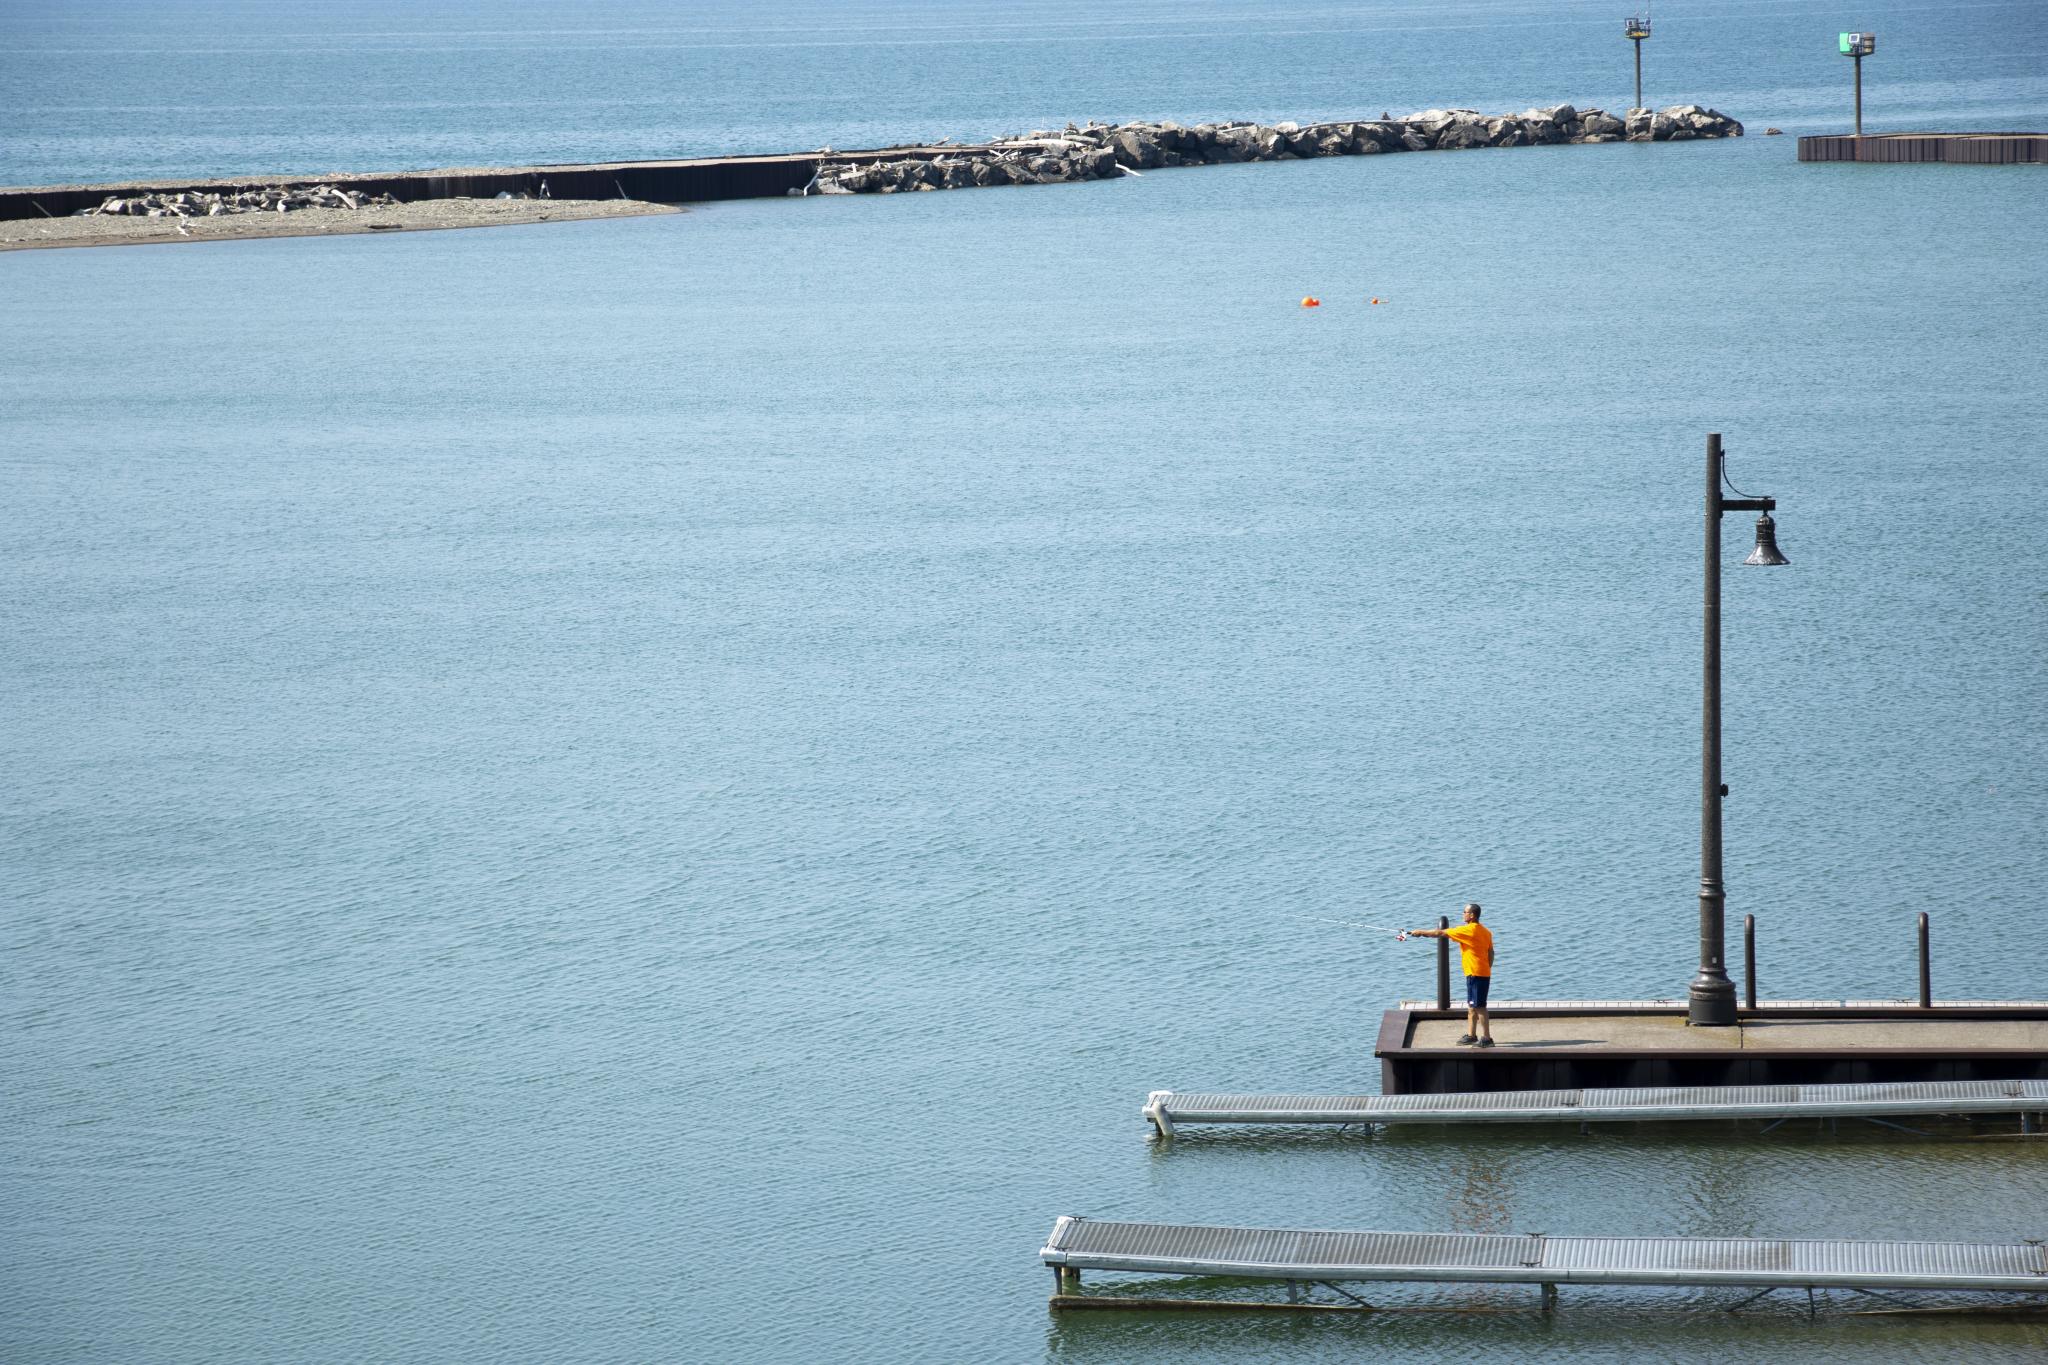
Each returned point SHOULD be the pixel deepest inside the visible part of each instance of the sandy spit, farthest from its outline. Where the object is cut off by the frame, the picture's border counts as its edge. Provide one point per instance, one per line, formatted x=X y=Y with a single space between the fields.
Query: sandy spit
x=26 y=234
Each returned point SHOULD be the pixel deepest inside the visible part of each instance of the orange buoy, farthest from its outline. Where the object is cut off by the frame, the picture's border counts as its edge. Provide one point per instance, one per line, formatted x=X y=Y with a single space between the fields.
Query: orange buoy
x=1311 y=302
x=1375 y=300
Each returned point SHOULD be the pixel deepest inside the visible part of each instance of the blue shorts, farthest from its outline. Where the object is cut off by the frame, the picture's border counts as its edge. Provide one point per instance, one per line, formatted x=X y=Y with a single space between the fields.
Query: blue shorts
x=1476 y=988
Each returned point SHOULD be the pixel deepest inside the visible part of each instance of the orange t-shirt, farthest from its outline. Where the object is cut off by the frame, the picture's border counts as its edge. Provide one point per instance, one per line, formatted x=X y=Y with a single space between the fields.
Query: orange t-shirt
x=1475 y=945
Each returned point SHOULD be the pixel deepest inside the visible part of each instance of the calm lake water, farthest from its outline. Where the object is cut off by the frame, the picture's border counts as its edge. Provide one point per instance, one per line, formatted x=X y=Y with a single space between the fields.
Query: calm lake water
x=662 y=789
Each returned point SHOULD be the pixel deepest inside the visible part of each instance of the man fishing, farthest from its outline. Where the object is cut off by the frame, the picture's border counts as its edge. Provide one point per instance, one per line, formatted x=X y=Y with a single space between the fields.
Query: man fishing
x=1475 y=950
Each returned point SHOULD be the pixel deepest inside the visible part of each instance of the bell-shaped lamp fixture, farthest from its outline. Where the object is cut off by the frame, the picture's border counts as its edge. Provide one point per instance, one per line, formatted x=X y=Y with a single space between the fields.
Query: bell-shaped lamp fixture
x=1766 y=551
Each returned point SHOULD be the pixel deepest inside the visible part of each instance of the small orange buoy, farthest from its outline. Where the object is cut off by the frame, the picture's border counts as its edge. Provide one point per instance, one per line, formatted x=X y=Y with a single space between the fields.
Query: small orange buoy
x=1311 y=302
x=1375 y=300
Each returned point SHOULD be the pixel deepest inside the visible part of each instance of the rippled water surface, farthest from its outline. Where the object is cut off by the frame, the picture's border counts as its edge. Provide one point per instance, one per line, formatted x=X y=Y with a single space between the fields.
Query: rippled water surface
x=103 y=89
x=662 y=789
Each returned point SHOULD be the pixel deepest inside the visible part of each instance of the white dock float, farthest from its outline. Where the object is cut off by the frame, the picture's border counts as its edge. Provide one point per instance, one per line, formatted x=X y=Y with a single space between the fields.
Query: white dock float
x=1166 y=1109
x=1302 y=1256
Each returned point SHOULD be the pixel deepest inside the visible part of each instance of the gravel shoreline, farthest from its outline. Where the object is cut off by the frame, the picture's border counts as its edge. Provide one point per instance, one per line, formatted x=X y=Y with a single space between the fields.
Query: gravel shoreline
x=27 y=234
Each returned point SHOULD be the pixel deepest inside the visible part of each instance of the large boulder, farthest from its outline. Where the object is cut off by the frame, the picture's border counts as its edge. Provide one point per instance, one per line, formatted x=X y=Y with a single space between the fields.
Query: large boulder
x=1271 y=145
x=1600 y=123
x=1468 y=132
x=1335 y=139
x=1136 y=148
x=1705 y=122
x=1543 y=125
x=1235 y=142
x=1431 y=122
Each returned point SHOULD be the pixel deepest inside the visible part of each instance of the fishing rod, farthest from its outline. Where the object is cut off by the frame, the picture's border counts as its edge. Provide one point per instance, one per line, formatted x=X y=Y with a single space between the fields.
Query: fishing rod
x=1399 y=934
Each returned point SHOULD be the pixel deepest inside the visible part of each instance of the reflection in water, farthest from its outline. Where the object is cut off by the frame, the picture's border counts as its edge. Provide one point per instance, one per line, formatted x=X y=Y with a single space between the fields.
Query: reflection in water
x=1588 y=1326
x=1479 y=1176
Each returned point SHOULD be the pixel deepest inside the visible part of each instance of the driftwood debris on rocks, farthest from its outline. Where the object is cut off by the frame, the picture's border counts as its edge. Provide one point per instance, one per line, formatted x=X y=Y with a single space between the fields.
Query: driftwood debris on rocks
x=263 y=199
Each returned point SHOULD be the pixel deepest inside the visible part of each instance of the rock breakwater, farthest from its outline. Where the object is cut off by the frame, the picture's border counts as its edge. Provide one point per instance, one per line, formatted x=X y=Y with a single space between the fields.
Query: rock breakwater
x=1102 y=150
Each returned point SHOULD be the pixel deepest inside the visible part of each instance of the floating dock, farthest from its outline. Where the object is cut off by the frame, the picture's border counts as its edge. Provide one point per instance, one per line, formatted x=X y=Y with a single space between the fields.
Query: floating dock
x=1634 y=1044
x=1167 y=1109
x=1973 y=149
x=1304 y=1257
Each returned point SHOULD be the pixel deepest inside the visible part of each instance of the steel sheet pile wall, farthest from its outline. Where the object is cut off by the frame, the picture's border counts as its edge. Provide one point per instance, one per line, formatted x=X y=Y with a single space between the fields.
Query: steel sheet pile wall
x=1976 y=149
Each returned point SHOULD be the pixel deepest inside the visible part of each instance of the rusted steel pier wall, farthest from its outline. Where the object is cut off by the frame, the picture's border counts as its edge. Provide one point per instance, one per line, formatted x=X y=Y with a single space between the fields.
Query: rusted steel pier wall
x=1975 y=149
x=657 y=182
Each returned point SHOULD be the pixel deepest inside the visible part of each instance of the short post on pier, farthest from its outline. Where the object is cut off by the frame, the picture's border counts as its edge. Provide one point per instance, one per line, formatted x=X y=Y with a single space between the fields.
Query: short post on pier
x=1926 y=973
x=1443 y=965
x=1749 y=962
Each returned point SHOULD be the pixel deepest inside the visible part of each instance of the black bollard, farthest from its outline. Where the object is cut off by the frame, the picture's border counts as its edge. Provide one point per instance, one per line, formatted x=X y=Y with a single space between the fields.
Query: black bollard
x=1749 y=961
x=1443 y=965
x=1926 y=977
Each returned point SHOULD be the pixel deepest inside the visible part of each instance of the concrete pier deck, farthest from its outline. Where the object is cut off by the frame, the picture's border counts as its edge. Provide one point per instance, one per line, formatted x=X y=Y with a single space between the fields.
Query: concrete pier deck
x=1566 y=1046
x=1664 y=1032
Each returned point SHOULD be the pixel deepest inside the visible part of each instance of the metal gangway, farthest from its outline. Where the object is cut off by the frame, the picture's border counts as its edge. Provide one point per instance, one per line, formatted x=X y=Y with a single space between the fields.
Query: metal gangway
x=1878 y=1102
x=1304 y=1258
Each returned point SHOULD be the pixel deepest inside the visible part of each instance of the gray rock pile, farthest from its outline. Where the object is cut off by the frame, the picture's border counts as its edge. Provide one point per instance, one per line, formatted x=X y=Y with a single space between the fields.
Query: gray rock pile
x=1101 y=150
x=269 y=199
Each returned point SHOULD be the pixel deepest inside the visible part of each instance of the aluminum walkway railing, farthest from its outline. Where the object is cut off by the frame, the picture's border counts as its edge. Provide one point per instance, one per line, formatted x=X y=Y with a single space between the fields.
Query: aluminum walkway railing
x=1079 y=1244
x=1166 y=1108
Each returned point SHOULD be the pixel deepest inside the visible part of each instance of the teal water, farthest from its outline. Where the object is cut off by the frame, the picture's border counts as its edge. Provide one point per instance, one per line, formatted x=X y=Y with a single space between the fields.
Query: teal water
x=662 y=789
x=111 y=89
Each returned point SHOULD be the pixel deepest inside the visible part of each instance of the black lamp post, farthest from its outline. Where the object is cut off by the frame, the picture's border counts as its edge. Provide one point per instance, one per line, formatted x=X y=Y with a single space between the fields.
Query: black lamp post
x=1711 y=998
